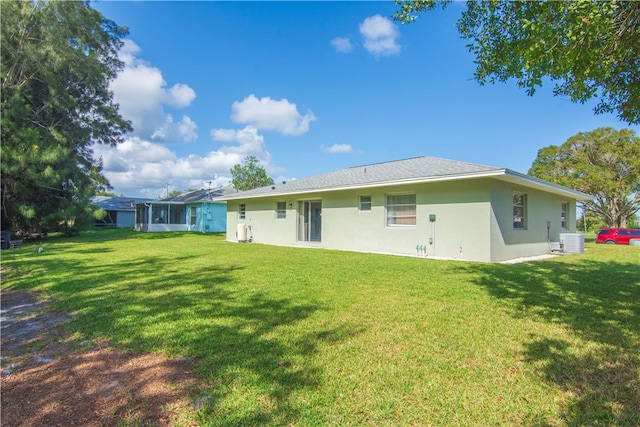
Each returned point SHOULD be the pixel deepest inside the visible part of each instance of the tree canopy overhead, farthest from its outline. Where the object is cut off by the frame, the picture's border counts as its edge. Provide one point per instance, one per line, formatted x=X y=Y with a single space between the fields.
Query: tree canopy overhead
x=249 y=175
x=58 y=58
x=604 y=163
x=590 y=49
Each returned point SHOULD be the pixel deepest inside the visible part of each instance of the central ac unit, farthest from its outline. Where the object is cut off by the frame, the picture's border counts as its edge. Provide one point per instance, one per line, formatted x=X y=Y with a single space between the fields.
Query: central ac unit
x=573 y=243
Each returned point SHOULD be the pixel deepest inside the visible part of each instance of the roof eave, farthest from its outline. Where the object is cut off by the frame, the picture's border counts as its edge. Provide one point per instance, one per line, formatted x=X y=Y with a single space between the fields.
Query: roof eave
x=539 y=184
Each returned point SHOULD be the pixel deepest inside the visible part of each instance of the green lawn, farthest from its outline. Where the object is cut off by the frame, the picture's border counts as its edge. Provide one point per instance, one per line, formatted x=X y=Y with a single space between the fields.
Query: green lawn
x=288 y=336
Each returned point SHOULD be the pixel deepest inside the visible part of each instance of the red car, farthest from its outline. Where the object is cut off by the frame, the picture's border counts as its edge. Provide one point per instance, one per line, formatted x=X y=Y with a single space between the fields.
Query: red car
x=619 y=236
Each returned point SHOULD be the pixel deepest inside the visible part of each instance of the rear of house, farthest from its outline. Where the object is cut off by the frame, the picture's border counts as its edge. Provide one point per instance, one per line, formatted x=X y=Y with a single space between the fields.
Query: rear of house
x=119 y=211
x=198 y=211
x=417 y=207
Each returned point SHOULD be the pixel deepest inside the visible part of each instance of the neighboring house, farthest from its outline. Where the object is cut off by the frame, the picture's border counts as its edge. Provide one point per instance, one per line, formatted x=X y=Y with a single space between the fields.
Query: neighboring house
x=121 y=211
x=199 y=211
x=423 y=206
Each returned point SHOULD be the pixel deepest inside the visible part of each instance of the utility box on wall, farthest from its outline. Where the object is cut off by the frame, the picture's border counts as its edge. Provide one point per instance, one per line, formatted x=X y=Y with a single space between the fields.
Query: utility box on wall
x=241 y=233
x=432 y=217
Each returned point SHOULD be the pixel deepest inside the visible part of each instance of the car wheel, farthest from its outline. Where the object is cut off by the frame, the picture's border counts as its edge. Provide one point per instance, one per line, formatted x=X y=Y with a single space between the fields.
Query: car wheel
x=610 y=242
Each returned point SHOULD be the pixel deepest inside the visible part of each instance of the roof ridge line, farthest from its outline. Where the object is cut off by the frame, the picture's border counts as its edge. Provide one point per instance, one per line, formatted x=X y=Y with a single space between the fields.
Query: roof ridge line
x=388 y=161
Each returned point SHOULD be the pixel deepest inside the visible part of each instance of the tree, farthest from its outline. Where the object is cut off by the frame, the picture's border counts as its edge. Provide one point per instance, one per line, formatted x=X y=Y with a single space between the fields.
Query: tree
x=589 y=48
x=105 y=193
x=172 y=194
x=57 y=61
x=249 y=175
x=604 y=163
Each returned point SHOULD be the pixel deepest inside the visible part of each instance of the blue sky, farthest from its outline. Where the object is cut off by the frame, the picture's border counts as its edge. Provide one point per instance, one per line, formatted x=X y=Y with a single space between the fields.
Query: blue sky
x=308 y=88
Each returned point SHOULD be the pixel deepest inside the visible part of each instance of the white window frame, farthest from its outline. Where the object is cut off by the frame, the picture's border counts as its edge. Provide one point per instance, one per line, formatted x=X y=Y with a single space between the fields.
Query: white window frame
x=363 y=204
x=564 y=215
x=520 y=201
x=242 y=211
x=410 y=215
x=281 y=210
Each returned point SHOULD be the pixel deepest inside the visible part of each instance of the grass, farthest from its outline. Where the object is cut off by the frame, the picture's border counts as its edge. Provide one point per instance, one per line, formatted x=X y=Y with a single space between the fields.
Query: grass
x=288 y=336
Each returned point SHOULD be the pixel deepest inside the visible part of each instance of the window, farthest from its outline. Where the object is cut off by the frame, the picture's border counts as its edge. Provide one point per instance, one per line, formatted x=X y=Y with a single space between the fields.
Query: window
x=242 y=211
x=519 y=211
x=564 y=215
x=401 y=209
x=192 y=215
x=365 y=203
x=281 y=210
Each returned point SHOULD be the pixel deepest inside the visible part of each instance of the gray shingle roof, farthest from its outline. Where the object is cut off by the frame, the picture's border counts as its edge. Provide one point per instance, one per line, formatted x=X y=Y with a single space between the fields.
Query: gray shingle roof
x=120 y=203
x=418 y=168
x=201 y=195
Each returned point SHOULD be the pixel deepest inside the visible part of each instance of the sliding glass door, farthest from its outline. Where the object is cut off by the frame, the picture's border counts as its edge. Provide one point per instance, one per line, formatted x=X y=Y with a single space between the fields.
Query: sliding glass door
x=309 y=220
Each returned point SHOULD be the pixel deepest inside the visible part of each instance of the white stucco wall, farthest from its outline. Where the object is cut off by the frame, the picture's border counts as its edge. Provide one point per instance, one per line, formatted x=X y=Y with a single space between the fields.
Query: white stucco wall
x=474 y=221
x=536 y=239
x=461 y=229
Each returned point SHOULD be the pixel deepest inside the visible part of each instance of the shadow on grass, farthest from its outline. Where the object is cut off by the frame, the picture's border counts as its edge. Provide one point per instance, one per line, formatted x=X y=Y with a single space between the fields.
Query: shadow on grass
x=600 y=302
x=245 y=340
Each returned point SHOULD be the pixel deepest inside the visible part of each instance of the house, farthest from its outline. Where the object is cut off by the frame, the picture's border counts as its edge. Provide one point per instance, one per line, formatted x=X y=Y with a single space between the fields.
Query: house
x=121 y=211
x=198 y=210
x=422 y=206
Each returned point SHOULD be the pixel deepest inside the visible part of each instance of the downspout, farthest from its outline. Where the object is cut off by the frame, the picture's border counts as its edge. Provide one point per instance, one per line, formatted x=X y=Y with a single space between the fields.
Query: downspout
x=150 y=214
x=202 y=219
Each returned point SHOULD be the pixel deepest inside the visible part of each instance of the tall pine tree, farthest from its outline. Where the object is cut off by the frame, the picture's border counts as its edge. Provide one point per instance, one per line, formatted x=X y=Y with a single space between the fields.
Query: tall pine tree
x=57 y=61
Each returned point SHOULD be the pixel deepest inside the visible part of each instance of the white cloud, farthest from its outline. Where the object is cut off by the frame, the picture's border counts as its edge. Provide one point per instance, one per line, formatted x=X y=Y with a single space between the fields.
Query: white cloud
x=141 y=92
x=184 y=130
x=250 y=142
x=268 y=114
x=142 y=168
x=143 y=165
x=338 y=148
x=139 y=167
x=342 y=44
x=180 y=95
x=135 y=150
x=128 y=52
x=380 y=36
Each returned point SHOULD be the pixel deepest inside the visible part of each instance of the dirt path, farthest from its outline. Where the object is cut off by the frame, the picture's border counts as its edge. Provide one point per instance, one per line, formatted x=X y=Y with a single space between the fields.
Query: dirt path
x=50 y=380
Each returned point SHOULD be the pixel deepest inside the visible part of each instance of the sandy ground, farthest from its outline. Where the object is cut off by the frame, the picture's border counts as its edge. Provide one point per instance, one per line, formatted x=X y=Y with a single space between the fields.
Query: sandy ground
x=50 y=380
